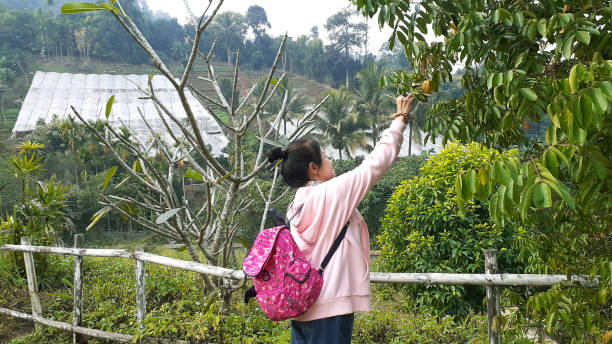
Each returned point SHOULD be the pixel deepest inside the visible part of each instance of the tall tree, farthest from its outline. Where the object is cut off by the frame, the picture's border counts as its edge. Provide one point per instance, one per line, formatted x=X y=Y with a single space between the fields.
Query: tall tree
x=373 y=103
x=257 y=20
x=230 y=28
x=345 y=35
x=339 y=126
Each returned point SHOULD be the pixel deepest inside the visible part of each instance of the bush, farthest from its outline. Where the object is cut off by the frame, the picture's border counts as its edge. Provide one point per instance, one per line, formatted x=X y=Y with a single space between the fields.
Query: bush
x=424 y=231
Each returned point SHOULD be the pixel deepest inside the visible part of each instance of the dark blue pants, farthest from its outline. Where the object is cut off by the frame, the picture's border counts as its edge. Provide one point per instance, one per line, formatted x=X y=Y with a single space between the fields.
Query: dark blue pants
x=332 y=330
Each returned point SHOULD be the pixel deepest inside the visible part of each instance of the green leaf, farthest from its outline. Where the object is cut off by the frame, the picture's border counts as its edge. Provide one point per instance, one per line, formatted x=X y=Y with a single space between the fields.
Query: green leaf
x=97 y=217
x=599 y=163
x=109 y=105
x=583 y=37
x=573 y=79
x=549 y=322
x=526 y=200
x=529 y=94
x=508 y=76
x=549 y=160
x=599 y=100
x=542 y=27
x=606 y=87
x=586 y=109
x=136 y=166
x=109 y=175
x=561 y=190
x=483 y=176
x=471 y=181
x=568 y=47
x=274 y=81
x=78 y=7
x=194 y=175
x=490 y=80
x=163 y=218
x=541 y=196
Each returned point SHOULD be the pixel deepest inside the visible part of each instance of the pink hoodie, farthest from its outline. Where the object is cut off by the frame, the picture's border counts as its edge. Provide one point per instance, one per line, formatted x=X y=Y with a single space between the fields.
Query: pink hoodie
x=327 y=207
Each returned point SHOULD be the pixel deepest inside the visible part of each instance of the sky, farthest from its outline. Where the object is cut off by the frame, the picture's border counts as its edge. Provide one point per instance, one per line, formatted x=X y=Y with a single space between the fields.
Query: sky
x=294 y=17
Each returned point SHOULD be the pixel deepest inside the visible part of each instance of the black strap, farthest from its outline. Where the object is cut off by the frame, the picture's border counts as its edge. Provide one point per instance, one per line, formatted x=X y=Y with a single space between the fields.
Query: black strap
x=334 y=246
x=333 y=249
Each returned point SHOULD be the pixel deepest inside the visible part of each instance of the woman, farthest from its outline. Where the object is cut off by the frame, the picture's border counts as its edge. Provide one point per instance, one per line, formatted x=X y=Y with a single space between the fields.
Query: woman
x=327 y=202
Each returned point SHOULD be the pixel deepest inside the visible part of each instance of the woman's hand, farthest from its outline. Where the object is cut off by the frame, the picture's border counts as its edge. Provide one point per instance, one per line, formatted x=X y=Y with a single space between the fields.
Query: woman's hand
x=404 y=106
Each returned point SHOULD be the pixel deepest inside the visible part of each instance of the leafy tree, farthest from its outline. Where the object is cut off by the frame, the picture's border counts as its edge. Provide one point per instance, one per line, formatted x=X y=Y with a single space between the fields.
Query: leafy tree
x=424 y=230
x=208 y=228
x=345 y=35
x=372 y=102
x=230 y=28
x=40 y=209
x=339 y=126
x=257 y=20
x=529 y=61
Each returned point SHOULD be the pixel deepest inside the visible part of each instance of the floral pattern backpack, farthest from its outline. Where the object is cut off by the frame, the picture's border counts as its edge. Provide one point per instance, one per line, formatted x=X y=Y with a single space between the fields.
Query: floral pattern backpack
x=284 y=282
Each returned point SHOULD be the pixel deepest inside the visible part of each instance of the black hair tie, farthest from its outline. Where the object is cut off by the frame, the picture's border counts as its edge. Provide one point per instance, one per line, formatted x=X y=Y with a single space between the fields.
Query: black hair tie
x=276 y=154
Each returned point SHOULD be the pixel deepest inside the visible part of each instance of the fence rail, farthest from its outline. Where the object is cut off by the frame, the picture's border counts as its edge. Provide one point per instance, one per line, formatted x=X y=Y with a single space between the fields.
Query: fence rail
x=491 y=279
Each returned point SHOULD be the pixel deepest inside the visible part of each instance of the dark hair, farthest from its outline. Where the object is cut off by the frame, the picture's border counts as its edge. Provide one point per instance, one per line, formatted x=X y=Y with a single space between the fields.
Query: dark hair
x=296 y=158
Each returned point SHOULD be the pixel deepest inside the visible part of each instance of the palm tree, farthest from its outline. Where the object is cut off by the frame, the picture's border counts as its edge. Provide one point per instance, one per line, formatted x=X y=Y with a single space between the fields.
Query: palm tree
x=340 y=127
x=230 y=28
x=373 y=103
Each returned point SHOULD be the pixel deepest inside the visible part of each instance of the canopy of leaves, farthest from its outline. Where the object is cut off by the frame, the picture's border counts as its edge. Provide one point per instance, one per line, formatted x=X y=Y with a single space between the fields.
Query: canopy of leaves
x=546 y=61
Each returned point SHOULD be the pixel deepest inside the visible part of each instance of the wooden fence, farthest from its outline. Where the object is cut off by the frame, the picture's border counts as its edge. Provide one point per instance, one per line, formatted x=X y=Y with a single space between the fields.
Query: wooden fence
x=492 y=279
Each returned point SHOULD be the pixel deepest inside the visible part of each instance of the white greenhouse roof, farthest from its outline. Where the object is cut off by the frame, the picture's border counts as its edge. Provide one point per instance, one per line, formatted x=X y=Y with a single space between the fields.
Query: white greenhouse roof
x=52 y=94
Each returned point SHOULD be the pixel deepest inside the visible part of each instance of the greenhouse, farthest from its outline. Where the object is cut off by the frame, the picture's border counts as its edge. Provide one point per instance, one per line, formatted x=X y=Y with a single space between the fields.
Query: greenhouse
x=53 y=94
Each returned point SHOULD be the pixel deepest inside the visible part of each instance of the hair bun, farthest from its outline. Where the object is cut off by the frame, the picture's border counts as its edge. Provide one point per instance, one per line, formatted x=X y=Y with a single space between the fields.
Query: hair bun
x=276 y=154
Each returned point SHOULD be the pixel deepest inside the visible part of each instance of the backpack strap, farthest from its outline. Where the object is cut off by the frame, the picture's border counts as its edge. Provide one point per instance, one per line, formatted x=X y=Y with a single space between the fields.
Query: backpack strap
x=334 y=246
x=333 y=249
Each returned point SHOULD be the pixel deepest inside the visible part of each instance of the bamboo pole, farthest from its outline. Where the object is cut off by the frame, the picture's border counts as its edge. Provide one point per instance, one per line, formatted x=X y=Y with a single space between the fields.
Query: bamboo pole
x=77 y=315
x=117 y=337
x=375 y=277
x=28 y=259
x=493 y=309
x=141 y=302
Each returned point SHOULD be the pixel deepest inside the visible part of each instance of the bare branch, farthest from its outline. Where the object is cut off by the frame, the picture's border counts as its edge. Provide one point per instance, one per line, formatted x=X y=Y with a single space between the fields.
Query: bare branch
x=258 y=107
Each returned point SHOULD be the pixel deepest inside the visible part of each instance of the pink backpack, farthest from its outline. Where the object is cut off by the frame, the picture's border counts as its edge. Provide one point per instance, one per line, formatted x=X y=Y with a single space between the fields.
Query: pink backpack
x=284 y=282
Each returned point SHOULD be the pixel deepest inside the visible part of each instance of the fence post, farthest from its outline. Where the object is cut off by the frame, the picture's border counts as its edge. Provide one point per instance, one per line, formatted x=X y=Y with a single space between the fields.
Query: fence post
x=28 y=259
x=141 y=302
x=493 y=309
x=77 y=317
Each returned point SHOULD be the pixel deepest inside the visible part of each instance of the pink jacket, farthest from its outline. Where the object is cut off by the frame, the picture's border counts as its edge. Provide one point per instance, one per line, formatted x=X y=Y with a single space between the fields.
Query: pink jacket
x=327 y=207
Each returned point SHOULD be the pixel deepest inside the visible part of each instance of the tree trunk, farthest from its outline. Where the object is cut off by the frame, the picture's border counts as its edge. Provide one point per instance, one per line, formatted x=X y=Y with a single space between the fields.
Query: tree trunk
x=340 y=153
x=346 y=66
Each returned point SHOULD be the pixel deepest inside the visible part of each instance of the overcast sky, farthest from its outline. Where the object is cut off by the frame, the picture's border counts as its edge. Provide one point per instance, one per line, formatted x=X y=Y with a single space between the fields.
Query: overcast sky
x=295 y=17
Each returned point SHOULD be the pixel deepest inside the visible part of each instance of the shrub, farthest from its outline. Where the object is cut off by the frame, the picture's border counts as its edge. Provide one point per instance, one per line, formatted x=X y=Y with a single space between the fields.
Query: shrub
x=424 y=231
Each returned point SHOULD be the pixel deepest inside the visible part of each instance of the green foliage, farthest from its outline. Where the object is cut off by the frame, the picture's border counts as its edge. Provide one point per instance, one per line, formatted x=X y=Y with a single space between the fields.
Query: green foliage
x=548 y=62
x=425 y=231
x=339 y=125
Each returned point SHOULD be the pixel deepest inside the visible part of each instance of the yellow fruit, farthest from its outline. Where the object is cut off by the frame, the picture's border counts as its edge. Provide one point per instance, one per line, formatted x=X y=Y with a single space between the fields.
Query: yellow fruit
x=426 y=86
x=567 y=8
